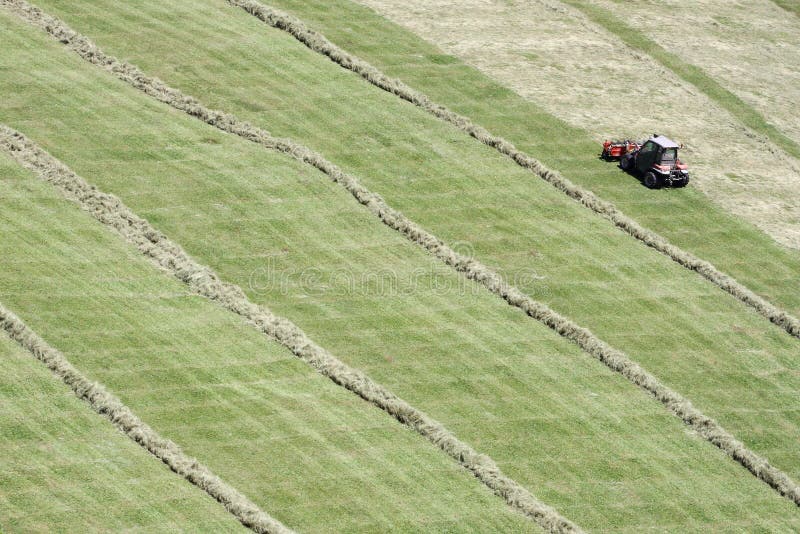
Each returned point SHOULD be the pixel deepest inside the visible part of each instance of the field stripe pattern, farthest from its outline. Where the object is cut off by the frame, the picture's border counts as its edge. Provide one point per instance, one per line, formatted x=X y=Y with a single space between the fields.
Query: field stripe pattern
x=689 y=73
x=317 y=42
x=789 y=5
x=125 y=420
x=111 y=211
x=206 y=283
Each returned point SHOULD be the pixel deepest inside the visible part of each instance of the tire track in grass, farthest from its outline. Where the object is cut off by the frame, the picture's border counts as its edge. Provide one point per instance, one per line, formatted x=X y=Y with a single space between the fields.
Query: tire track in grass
x=109 y=210
x=109 y=406
x=318 y=43
x=206 y=283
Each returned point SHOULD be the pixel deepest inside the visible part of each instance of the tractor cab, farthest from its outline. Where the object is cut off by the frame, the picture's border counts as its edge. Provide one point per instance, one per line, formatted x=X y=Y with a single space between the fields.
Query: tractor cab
x=657 y=160
x=656 y=151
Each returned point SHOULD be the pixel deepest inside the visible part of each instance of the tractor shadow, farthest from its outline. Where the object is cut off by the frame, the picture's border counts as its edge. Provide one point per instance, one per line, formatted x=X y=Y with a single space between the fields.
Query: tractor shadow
x=633 y=174
x=636 y=176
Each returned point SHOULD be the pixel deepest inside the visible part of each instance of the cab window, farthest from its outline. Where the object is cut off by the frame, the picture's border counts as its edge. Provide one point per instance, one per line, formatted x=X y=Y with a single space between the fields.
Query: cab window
x=669 y=156
x=648 y=148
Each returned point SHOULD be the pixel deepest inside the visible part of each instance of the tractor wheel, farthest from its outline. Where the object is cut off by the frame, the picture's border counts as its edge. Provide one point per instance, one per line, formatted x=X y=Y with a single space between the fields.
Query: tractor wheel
x=651 y=180
x=625 y=163
x=682 y=183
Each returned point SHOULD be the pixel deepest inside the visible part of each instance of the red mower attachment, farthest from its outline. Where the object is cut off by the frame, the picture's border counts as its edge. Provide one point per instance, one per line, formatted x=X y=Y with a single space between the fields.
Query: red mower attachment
x=616 y=149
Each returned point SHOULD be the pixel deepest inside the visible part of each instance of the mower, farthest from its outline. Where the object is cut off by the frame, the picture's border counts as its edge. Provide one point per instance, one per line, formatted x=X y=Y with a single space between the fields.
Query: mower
x=613 y=150
x=656 y=159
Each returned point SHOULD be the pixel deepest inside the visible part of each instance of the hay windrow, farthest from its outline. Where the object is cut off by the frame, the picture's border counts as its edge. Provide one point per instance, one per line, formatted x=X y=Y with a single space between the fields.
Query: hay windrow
x=202 y=280
x=320 y=44
x=125 y=420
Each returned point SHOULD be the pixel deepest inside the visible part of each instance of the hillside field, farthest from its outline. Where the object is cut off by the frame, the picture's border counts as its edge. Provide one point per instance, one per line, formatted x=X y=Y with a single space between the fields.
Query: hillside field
x=427 y=354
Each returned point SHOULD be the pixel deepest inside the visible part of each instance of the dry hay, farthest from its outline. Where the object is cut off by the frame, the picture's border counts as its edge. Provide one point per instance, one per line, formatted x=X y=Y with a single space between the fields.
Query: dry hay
x=752 y=48
x=125 y=420
x=201 y=279
x=551 y=54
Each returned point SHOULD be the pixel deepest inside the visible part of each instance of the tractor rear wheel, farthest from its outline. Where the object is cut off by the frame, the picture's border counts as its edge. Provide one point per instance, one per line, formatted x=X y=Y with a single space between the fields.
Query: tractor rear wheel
x=651 y=180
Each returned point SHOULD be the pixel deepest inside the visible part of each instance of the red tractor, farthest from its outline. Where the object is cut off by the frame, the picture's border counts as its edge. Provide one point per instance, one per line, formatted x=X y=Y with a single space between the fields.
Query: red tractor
x=656 y=159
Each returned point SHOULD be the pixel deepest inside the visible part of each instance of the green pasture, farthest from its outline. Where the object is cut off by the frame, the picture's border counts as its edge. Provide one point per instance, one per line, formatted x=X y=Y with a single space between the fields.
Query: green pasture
x=730 y=361
x=578 y=436
x=686 y=217
x=67 y=469
x=306 y=451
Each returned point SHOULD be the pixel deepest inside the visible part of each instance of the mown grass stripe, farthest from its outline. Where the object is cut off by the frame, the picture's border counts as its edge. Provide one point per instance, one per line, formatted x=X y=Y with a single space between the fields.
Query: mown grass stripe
x=109 y=406
x=317 y=42
x=205 y=282
x=687 y=72
x=792 y=6
x=109 y=210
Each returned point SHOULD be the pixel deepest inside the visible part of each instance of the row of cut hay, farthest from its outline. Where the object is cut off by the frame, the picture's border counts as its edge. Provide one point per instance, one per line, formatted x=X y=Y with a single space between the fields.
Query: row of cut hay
x=109 y=210
x=317 y=42
x=125 y=420
x=471 y=268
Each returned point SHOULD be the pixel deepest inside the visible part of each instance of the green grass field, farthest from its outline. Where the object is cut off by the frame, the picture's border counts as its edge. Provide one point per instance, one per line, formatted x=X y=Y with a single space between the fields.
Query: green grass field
x=306 y=451
x=243 y=210
x=687 y=218
x=68 y=470
x=578 y=436
x=572 y=67
x=677 y=325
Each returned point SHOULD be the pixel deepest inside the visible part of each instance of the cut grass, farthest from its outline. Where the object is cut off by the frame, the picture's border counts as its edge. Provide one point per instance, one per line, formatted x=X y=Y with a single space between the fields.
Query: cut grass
x=750 y=49
x=553 y=418
x=318 y=43
x=792 y=6
x=688 y=72
x=67 y=469
x=683 y=330
x=209 y=381
x=167 y=255
x=616 y=91
x=106 y=404
x=687 y=218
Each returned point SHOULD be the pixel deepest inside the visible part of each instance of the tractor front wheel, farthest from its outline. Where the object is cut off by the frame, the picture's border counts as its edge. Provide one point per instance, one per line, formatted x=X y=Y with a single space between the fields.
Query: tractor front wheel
x=625 y=163
x=682 y=182
x=651 y=180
